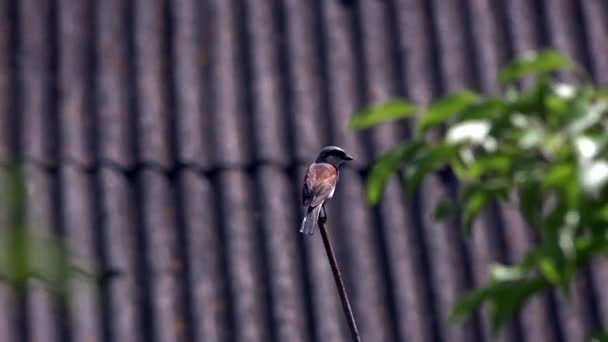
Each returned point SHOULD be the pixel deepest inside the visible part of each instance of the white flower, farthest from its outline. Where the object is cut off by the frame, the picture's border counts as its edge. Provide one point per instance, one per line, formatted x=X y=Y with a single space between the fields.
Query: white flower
x=587 y=148
x=594 y=175
x=564 y=90
x=475 y=132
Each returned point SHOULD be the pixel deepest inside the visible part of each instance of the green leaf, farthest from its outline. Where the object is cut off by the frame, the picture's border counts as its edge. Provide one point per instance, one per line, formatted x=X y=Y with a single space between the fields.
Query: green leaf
x=560 y=174
x=504 y=298
x=474 y=199
x=602 y=213
x=509 y=296
x=600 y=336
x=442 y=109
x=387 y=111
x=542 y=62
x=468 y=303
x=484 y=109
x=532 y=101
x=565 y=101
x=14 y=261
x=601 y=93
x=388 y=164
x=590 y=116
x=531 y=202
x=433 y=157
x=550 y=270
x=12 y=188
x=494 y=164
x=445 y=209
x=557 y=104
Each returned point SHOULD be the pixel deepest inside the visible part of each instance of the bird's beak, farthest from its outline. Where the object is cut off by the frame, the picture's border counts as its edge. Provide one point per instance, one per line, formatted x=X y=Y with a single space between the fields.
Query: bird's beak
x=348 y=157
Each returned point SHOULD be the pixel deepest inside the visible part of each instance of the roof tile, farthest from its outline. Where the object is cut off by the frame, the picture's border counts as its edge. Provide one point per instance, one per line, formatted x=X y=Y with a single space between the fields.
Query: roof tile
x=344 y=77
x=524 y=30
x=241 y=229
x=8 y=327
x=36 y=80
x=191 y=49
x=409 y=286
x=599 y=274
x=229 y=115
x=563 y=28
x=152 y=83
x=75 y=52
x=487 y=41
x=79 y=217
x=415 y=50
x=114 y=94
x=120 y=246
x=165 y=266
x=595 y=24
x=41 y=219
x=279 y=228
x=7 y=92
x=209 y=304
x=448 y=261
x=308 y=119
x=268 y=112
x=452 y=45
x=381 y=75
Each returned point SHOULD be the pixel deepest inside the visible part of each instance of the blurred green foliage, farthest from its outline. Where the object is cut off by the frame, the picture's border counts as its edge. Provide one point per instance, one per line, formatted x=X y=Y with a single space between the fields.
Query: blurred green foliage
x=387 y=111
x=542 y=147
x=27 y=253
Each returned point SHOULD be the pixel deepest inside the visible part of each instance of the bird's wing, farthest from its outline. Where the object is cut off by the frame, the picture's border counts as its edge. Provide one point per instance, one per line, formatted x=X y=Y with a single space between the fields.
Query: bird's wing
x=319 y=183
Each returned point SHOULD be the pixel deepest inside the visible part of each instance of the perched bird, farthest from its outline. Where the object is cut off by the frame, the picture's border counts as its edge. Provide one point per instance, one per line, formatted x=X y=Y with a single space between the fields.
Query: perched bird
x=320 y=183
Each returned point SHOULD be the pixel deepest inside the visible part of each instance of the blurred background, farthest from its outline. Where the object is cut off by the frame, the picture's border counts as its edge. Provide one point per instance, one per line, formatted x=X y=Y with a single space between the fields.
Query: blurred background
x=165 y=141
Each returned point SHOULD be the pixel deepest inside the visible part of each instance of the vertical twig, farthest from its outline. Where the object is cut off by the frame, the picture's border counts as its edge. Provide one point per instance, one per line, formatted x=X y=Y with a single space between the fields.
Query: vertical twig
x=352 y=324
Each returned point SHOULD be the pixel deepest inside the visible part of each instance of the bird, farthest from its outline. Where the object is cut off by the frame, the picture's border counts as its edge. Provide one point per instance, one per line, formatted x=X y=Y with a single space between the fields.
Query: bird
x=320 y=183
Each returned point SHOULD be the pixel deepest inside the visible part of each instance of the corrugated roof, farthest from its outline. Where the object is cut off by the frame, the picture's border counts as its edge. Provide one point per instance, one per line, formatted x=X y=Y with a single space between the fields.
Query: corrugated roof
x=168 y=140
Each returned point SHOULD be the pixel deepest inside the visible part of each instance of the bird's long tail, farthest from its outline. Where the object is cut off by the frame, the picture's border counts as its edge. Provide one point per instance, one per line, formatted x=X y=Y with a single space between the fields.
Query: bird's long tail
x=309 y=223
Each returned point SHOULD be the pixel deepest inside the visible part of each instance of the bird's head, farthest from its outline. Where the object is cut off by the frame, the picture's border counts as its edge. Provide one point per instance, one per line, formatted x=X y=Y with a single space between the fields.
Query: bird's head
x=333 y=155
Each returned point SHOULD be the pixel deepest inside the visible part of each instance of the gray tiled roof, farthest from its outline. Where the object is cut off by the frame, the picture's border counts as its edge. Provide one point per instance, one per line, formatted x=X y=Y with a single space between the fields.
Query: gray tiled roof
x=168 y=139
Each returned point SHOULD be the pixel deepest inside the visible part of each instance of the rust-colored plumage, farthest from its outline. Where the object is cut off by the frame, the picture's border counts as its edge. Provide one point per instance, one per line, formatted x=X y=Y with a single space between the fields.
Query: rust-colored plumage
x=319 y=184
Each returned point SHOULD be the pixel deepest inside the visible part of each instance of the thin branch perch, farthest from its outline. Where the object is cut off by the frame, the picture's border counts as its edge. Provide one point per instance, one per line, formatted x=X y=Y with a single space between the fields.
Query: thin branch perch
x=350 y=318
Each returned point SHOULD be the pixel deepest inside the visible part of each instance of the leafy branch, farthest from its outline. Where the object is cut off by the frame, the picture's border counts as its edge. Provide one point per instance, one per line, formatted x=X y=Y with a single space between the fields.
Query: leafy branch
x=543 y=148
